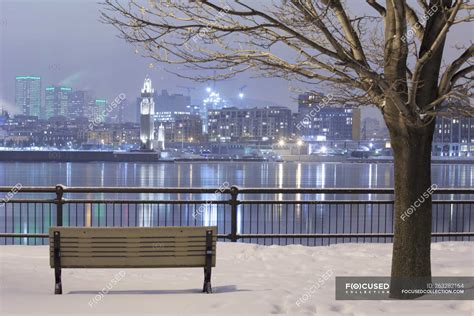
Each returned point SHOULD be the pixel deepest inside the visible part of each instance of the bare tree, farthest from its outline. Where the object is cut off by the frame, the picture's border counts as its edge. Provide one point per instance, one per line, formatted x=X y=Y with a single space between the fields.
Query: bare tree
x=391 y=57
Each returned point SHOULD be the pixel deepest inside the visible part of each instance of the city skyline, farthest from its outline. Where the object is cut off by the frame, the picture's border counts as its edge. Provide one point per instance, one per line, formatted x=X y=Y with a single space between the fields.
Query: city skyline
x=103 y=62
x=235 y=98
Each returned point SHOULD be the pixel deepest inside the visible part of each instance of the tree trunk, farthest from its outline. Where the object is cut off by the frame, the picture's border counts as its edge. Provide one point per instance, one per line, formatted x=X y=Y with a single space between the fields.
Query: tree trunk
x=411 y=264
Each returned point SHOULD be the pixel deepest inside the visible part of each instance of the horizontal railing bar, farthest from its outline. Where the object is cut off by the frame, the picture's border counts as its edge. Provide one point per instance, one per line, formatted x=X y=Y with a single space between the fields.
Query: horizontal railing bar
x=30 y=189
x=226 y=190
x=453 y=201
x=225 y=202
x=4 y=235
x=437 y=234
x=284 y=202
x=22 y=201
x=344 y=202
x=343 y=191
x=25 y=189
x=240 y=236
x=108 y=201
x=20 y=235
x=243 y=202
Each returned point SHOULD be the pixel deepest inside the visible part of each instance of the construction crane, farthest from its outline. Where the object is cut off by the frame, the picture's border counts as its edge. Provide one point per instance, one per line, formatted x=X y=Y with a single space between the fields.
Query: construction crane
x=188 y=88
x=241 y=91
x=214 y=79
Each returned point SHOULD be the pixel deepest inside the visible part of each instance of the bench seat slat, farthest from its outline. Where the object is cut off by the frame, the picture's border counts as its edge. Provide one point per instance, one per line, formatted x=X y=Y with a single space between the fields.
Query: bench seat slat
x=132 y=254
x=134 y=262
x=177 y=242
x=136 y=239
x=74 y=252
x=125 y=246
x=131 y=244
x=130 y=232
x=66 y=250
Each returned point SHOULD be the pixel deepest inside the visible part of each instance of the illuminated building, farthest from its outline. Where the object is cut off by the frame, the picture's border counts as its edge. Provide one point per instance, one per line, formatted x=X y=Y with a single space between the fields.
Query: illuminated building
x=56 y=101
x=28 y=95
x=147 y=112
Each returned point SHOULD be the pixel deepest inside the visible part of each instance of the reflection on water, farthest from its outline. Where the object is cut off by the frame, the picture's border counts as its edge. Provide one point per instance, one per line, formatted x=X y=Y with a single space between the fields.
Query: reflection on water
x=88 y=215
x=280 y=175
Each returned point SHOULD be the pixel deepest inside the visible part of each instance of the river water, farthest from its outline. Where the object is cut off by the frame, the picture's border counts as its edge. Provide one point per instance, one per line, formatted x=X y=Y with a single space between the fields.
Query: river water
x=244 y=174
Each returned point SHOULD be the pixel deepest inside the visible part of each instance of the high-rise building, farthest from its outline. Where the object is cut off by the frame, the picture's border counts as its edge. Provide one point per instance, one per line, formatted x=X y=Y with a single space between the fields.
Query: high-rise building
x=454 y=136
x=454 y=130
x=147 y=113
x=98 y=113
x=56 y=101
x=78 y=102
x=319 y=121
x=256 y=124
x=180 y=126
x=213 y=101
x=28 y=94
x=119 y=113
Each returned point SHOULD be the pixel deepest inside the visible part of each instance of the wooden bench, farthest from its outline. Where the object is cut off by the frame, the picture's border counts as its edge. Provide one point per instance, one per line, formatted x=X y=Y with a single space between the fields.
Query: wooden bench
x=133 y=247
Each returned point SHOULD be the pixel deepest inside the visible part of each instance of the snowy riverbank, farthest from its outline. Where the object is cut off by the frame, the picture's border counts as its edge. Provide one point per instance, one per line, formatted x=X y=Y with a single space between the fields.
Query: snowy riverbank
x=248 y=280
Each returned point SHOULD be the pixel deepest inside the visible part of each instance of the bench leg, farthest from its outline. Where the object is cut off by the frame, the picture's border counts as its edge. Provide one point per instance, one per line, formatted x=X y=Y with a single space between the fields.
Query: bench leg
x=207 y=281
x=58 y=287
x=208 y=266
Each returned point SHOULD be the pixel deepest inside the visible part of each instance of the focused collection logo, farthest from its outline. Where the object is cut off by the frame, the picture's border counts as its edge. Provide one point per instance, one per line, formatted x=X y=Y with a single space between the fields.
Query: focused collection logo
x=378 y=288
x=367 y=288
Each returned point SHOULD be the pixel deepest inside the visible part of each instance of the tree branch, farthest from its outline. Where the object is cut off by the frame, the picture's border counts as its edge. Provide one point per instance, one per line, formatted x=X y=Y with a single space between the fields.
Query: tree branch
x=412 y=18
x=439 y=39
x=447 y=81
x=380 y=9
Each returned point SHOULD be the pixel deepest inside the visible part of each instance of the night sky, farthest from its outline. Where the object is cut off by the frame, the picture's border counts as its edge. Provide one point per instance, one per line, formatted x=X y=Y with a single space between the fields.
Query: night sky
x=63 y=42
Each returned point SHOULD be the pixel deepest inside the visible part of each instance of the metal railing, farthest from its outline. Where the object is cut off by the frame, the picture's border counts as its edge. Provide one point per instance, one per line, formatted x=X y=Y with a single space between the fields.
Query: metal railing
x=261 y=215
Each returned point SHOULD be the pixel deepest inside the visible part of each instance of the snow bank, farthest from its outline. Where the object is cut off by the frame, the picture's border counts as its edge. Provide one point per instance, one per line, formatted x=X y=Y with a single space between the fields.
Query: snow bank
x=248 y=280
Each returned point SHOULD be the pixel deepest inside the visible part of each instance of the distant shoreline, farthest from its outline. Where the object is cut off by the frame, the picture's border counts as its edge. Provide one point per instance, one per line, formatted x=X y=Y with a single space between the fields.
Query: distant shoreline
x=112 y=156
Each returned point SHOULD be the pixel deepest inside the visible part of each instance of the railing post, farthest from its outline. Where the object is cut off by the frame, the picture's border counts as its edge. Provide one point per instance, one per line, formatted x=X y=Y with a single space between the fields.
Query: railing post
x=234 y=192
x=59 y=204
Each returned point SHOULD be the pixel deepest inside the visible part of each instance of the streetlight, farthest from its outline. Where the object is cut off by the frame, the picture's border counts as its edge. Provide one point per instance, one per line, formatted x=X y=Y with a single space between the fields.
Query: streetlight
x=208 y=89
x=281 y=142
x=241 y=95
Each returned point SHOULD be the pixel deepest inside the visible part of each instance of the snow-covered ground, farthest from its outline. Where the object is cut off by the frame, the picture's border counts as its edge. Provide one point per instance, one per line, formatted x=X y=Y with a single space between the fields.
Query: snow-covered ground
x=248 y=280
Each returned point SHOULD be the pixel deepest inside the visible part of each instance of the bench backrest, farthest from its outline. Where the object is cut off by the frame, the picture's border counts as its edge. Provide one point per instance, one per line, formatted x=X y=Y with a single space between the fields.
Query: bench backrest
x=132 y=247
